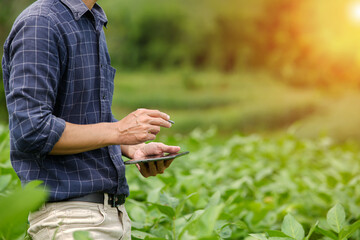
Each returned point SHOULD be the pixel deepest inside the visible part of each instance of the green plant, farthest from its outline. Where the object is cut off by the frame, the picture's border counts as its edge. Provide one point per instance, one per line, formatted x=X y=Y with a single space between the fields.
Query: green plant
x=229 y=188
x=15 y=202
x=254 y=181
x=335 y=228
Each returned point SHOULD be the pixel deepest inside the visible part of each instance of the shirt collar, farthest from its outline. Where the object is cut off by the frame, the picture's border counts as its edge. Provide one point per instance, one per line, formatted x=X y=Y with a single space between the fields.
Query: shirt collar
x=99 y=13
x=78 y=9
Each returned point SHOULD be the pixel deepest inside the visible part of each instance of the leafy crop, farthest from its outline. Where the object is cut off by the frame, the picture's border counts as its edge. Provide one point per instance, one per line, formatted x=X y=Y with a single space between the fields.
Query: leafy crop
x=335 y=228
x=228 y=189
x=242 y=187
x=15 y=202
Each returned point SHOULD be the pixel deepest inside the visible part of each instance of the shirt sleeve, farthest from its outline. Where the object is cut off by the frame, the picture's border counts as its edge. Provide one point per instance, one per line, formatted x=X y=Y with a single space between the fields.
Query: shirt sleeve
x=113 y=118
x=34 y=75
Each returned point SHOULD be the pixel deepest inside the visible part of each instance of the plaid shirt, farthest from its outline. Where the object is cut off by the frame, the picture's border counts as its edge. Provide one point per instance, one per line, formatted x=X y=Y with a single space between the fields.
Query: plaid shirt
x=56 y=68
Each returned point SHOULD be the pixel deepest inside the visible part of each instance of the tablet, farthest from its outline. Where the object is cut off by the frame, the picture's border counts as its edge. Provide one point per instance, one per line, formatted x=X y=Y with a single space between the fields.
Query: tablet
x=156 y=158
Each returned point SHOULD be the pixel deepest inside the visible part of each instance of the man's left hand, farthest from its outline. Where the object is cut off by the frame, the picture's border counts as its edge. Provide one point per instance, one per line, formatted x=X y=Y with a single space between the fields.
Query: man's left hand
x=157 y=167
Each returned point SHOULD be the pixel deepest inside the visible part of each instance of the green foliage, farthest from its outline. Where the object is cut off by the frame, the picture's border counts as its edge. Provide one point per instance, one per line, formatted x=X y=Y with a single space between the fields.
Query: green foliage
x=15 y=202
x=293 y=230
x=180 y=33
x=230 y=189
x=336 y=218
x=242 y=187
x=81 y=235
x=243 y=102
x=226 y=36
x=8 y=12
x=15 y=208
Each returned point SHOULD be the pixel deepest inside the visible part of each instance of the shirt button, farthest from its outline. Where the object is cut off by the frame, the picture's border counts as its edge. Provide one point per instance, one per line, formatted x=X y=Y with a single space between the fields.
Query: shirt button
x=104 y=97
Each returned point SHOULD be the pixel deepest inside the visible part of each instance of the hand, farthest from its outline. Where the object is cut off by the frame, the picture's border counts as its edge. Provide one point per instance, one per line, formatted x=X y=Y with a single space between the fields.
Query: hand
x=154 y=168
x=141 y=125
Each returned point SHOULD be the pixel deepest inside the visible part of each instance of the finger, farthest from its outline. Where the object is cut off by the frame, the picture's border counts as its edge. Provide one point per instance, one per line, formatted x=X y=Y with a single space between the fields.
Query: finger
x=157 y=114
x=169 y=149
x=151 y=136
x=156 y=148
x=154 y=130
x=153 y=149
x=168 y=162
x=152 y=120
x=160 y=166
x=146 y=136
x=144 y=170
x=159 y=122
x=152 y=169
x=138 y=166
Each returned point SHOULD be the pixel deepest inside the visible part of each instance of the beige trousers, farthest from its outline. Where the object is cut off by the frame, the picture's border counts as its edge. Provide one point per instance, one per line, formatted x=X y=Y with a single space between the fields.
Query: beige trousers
x=60 y=220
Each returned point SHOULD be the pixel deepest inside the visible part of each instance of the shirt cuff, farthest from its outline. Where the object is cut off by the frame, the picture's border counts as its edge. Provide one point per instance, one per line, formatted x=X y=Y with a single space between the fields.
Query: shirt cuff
x=57 y=129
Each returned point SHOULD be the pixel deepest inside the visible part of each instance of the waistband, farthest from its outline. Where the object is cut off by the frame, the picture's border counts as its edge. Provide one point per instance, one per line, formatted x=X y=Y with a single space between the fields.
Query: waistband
x=113 y=200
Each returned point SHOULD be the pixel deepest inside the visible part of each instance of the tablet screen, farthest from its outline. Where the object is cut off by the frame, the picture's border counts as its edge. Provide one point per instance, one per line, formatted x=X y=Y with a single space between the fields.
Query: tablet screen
x=157 y=158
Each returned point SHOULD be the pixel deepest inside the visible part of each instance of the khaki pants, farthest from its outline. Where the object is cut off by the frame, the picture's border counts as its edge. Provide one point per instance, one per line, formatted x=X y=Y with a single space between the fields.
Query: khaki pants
x=60 y=220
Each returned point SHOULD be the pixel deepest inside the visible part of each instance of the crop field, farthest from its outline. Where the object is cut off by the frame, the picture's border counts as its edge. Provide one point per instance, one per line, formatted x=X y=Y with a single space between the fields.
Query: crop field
x=240 y=102
x=268 y=111
x=243 y=187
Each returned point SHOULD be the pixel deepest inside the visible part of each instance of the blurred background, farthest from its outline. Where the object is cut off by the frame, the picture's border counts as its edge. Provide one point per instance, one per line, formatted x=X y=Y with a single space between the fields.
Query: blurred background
x=260 y=66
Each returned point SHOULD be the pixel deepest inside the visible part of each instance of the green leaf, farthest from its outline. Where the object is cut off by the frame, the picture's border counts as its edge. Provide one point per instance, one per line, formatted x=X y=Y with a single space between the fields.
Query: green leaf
x=202 y=222
x=274 y=233
x=138 y=214
x=225 y=232
x=168 y=211
x=153 y=195
x=347 y=231
x=141 y=235
x=312 y=229
x=292 y=228
x=259 y=236
x=82 y=235
x=166 y=199
x=215 y=199
x=336 y=218
x=4 y=181
x=15 y=207
x=208 y=220
x=153 y=238
x=326 y=233
x=209 y=238
x=281 y=238
x=181 y=205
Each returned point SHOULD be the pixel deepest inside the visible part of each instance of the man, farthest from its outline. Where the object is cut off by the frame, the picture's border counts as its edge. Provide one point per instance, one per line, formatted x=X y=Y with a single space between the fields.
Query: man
x=59 y=85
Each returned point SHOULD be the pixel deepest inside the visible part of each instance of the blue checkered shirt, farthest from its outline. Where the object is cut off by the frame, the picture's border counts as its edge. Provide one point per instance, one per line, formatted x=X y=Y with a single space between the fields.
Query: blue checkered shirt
x=56 y=68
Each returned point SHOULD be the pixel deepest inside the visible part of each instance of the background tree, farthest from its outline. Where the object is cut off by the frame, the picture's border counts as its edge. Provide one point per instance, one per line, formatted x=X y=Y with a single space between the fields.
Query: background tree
x=8 y=12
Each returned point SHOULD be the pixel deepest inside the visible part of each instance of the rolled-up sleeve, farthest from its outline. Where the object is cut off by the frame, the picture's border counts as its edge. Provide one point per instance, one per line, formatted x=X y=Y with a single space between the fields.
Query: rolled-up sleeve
x=34 y=75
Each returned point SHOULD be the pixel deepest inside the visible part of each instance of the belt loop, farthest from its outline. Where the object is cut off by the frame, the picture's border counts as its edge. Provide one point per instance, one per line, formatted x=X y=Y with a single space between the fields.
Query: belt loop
x=106 y=201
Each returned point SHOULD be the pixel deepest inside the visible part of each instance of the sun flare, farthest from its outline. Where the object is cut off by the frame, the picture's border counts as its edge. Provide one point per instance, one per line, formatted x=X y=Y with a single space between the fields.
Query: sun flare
x=354 y=10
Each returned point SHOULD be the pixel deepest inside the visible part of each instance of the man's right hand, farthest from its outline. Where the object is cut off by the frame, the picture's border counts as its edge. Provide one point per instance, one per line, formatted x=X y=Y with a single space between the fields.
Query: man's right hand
x=140 y=126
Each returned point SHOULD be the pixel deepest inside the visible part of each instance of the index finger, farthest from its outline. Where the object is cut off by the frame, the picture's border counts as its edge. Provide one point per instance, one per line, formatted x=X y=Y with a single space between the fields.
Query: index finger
x=157 y=114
